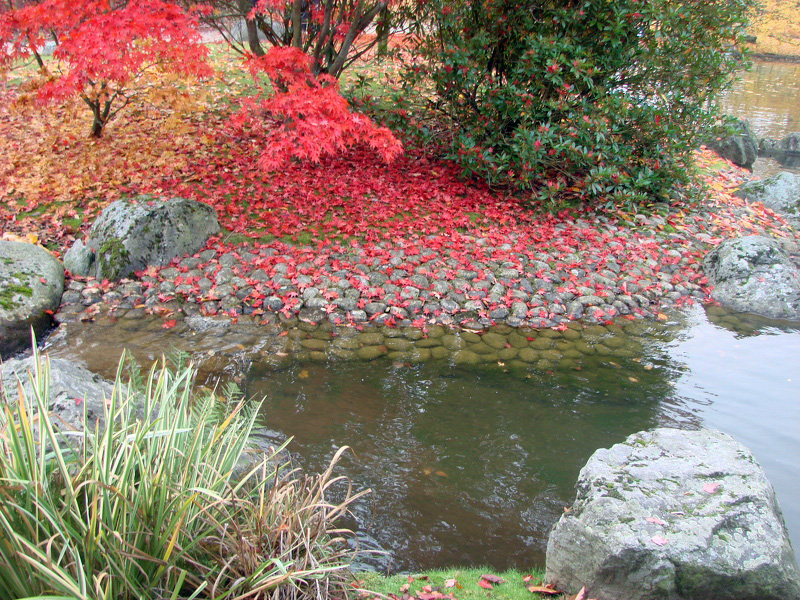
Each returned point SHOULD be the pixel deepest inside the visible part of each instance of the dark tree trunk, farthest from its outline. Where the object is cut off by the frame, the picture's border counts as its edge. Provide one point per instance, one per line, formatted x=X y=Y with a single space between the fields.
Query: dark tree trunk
x=383 y=28
x=97 y=129
x=252 y=28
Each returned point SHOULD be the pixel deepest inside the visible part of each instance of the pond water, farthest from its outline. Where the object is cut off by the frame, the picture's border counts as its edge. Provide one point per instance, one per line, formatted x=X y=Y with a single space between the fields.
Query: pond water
x=473 y=465
x=768 y=96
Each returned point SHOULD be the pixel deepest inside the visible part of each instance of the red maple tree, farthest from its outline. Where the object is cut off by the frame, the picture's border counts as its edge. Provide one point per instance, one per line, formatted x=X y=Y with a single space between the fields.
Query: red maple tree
x=107 y=53
x=303 y=116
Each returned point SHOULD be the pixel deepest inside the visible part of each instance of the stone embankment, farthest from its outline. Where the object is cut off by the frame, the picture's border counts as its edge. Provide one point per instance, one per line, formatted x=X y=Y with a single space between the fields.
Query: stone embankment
x=395 y=288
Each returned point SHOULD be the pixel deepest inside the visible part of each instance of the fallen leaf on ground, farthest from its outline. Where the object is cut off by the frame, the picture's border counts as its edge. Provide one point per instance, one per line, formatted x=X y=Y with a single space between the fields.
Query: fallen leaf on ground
x=710 y=488
x=580 y=595
x=655 y=520
x=448 y=583
x=485 y=584
x=544 y=589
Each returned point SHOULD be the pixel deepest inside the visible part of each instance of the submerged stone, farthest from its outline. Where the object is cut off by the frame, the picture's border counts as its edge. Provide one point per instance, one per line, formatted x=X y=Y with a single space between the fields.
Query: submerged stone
x=371 y=352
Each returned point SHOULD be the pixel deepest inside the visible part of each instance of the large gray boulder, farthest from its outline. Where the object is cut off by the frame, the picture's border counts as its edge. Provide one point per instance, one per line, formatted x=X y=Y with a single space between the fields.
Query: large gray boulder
x=740 y=147
x=673 y=515
x=31 y=284
x=73 y=389
x=130 y=235
x=790 y=142
x=781 y=193
x=753 y=274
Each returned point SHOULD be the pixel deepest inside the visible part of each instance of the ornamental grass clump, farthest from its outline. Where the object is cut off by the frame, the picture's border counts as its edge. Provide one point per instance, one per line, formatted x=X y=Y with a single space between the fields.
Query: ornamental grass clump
x=145 y=506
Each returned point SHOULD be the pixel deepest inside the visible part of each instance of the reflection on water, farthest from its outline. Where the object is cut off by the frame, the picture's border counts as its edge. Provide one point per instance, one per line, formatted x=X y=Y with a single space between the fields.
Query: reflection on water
x=768 y=96
x=474 y=465
x=467 y=466
x=749 y=387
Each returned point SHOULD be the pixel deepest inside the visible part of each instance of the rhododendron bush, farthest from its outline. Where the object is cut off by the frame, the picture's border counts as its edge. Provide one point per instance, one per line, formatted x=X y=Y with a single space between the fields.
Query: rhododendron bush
x=109 y=54
x=576 y=99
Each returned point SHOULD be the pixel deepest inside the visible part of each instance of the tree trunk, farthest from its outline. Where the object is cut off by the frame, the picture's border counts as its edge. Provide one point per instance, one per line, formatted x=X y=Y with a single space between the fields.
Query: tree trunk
x=382 y=31
x=297 y=23
x=97 y=129
x=252 y=28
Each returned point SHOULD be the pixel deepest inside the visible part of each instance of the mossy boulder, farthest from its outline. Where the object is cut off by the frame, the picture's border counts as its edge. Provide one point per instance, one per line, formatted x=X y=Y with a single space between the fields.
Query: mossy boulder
x=740 y=146
x=753 y=274
x=31 y=284
x=132 y=234
x=673 y=515
x=781 y=193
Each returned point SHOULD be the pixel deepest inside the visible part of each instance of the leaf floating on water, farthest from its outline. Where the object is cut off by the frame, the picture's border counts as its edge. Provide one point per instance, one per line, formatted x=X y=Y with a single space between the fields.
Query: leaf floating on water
x=633 y=379
x=710 y=488
x=169 y=324
x=441 y=474
x=427 y=471
x=302 y=374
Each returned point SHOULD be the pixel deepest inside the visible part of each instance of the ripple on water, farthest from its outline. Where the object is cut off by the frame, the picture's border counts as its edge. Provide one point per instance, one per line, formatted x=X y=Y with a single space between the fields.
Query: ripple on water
x=473 y=464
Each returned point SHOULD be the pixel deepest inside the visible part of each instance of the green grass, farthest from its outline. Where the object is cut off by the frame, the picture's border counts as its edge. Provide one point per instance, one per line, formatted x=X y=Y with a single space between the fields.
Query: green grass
x=466 y=585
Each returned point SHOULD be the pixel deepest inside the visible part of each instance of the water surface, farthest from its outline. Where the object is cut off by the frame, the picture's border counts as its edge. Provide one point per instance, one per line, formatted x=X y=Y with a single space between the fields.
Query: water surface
x=475 y=466
x=768 y=96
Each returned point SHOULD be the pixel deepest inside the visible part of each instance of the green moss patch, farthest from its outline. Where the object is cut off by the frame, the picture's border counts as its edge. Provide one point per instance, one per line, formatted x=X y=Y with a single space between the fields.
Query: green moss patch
x=8 y=292
x=113 y=257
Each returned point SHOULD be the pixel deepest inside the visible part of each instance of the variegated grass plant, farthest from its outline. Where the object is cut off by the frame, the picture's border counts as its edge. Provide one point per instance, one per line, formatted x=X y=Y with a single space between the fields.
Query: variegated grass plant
x=146 y=506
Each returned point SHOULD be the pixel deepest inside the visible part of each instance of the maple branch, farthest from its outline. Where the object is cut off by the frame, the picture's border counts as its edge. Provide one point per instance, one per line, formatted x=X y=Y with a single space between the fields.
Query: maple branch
x=326 y=26
x=360 y=52
x=360 y=22
x=252 y=29
x=268 y=31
